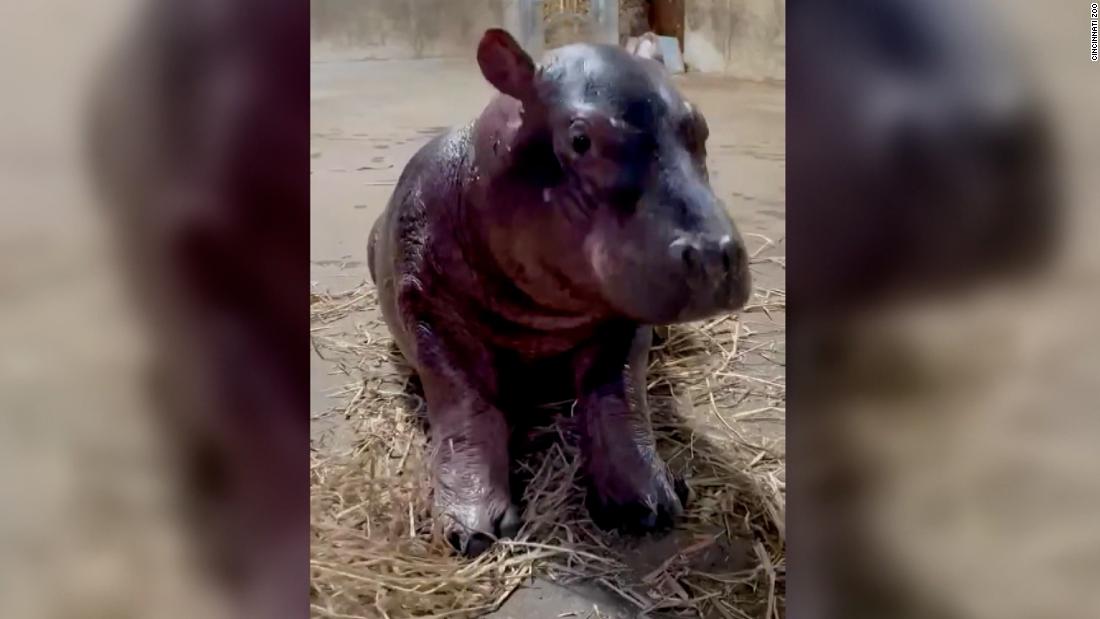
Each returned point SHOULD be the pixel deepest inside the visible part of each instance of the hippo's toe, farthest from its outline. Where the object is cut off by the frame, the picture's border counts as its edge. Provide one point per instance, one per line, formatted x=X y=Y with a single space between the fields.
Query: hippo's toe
x=472 y=528
x=637 y=503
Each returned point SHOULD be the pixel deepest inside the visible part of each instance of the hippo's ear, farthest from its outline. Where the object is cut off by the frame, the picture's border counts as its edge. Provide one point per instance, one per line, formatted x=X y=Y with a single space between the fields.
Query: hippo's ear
x=504 y=63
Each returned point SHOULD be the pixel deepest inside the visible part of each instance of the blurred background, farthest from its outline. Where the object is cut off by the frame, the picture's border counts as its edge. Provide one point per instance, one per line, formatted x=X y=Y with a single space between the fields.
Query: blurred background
x=942 y=279
x=152 y=416
x=87 y=527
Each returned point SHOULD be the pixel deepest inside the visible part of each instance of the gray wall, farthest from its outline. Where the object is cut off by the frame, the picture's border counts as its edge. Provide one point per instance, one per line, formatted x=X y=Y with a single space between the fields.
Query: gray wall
x=743 y=38
x=400 y=28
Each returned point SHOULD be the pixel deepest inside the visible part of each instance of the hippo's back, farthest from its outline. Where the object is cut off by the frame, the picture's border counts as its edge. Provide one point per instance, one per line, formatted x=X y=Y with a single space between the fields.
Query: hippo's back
x=433 y=177
x=428 y=189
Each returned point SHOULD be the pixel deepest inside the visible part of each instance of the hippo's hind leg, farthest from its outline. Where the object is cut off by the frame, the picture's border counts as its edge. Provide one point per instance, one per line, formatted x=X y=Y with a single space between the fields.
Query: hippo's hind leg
x=630 y=486
x=470 y=464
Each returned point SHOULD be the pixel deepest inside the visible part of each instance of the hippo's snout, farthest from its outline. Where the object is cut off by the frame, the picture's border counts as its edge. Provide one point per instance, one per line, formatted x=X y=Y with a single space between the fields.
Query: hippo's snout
x=716 y=270
x=710 y=260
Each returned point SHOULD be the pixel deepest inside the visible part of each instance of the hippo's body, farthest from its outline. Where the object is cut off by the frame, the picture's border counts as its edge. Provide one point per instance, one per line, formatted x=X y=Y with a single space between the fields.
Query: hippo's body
x=433 y=201
x=529 y=252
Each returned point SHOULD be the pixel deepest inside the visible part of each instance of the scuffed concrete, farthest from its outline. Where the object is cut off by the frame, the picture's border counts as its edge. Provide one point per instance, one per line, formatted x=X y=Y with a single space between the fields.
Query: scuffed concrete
x=546 y=599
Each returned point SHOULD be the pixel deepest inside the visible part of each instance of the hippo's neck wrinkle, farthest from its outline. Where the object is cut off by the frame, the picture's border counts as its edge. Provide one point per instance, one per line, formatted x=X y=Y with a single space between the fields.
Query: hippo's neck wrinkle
x=496 y=286
x=496 y=289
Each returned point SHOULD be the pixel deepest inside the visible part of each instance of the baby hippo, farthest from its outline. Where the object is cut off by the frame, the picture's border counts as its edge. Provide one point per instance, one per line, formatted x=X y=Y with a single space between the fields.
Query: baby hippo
x=532 y=250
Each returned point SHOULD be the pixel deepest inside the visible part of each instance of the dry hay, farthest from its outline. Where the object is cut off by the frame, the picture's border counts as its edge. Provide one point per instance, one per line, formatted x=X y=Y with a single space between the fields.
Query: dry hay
x=375 y=554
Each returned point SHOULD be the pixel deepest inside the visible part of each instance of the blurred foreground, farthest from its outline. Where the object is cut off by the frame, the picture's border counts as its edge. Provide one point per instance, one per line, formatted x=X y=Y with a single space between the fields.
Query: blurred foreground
x=152 y=370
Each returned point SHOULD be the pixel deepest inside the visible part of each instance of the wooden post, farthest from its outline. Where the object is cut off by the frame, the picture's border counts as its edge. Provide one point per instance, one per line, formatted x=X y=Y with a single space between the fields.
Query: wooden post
x=523 y=18
x=668 y=19
x=605 y=17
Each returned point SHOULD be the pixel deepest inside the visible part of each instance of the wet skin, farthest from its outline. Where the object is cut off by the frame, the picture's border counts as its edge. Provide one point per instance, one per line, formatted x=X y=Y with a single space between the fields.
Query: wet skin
x=531 y=251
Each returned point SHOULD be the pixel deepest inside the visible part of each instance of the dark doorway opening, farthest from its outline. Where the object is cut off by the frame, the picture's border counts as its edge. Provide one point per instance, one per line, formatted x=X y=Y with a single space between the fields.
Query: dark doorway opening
x=668 y=18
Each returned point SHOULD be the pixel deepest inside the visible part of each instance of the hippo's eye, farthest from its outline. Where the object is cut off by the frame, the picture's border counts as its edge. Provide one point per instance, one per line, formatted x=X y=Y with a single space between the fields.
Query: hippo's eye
x=581 y=144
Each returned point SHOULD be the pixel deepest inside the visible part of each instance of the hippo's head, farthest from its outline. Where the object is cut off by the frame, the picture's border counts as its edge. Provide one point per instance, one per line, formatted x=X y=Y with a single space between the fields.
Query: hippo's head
x=616 y=159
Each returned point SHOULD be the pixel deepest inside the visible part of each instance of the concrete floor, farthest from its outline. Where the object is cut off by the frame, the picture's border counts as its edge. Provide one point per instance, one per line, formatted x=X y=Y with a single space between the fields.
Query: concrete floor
x=370 y=117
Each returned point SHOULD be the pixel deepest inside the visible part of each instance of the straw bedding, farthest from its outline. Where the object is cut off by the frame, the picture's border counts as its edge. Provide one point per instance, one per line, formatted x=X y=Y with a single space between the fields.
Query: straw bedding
x=375 y=552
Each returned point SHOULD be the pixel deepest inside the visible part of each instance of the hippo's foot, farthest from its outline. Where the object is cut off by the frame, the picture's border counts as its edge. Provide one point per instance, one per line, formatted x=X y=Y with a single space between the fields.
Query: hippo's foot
x=472 y=501
x=631 y=489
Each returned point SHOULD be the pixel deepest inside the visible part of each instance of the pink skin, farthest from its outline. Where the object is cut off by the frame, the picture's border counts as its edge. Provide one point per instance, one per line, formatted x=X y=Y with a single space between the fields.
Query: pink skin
x=530 y=251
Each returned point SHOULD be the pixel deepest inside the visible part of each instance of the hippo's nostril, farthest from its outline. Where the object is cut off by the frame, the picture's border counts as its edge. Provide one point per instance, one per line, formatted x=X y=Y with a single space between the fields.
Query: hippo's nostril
x=733 y=255
x=687 y=253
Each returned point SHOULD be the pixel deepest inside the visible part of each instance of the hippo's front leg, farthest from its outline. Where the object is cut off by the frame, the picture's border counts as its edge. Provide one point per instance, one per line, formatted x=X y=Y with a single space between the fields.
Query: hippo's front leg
x=630 y=486
x=470 y=465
